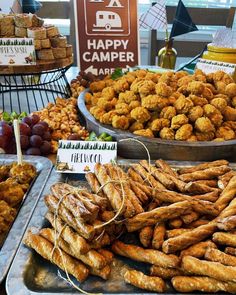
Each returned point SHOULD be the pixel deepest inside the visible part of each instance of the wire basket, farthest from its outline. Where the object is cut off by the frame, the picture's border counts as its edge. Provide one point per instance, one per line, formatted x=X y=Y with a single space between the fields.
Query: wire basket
x=32 y=91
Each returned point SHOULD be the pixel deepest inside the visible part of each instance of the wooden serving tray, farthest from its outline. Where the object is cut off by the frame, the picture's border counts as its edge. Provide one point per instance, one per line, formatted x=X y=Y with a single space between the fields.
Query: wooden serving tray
x=159 y=148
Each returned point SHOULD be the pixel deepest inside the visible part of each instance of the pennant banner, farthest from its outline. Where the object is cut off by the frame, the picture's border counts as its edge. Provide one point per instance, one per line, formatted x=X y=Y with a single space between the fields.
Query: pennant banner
x=182 y=22
x=155 y=17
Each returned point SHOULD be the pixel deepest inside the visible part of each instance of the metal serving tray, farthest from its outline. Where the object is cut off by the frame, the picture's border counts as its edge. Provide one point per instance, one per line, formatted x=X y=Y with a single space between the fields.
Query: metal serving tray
x=14 y=236
x=30 y=274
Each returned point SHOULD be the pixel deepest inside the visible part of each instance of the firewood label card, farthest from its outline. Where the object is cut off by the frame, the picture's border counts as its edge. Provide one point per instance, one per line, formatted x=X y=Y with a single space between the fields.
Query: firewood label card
x=81 y=156
x=107 y=35
x=17 y=51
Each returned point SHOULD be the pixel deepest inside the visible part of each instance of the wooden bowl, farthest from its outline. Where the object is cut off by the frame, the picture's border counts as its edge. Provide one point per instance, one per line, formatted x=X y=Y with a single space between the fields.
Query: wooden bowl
x=159 y=148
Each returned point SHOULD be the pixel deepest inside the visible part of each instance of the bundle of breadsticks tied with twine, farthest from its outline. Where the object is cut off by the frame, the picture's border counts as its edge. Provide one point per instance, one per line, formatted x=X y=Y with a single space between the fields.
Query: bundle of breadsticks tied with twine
x=184 y=220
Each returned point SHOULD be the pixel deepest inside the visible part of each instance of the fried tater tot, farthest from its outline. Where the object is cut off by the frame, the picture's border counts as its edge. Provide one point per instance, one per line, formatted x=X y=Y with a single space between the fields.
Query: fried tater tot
x=198 y=100
x=225 y=132
x=167 y=133
x=183 y=105
x=154 y=102
x=195 y=113
x=230 y=90
x=204 y=125
x=144 y=132
x=178 y=121
x=195 y=87
x=120 y=122
x=163 y=89
x=107 y=117
x=220 y=103
x=184 y=132
x=168 y=112
x=127 y=96
x=159 y=124
x=136 y=126
x=122 y=109
x=140 y=114
x=230 y=114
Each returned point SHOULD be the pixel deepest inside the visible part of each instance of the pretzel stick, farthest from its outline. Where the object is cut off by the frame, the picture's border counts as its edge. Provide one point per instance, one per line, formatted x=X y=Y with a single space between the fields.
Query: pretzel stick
x=197 y=223
x=103 y=273
x=145 y=236
x=158 y=236
x=189 y=218
x=224 y=179
x=199 y=188
x=175 y=223
x=208 y=173
x=224 y=239
x=230 y=250
x=45 y=248
x=227 y=223
x=214 y=270
x=107 y=254
x=227 y=194
x=92 y=258
x=108 y=187
x=219 y=256
x=85 y=230
x=142 y=281
x=203 y=166
x=209 y=285
x=209 y=182
x=135 y=176
x=198 y=250
x=157 y=215
x=95 y=186
x=176 y=232
x=77 y=242
x=166 y=167
x=203 y=207
x=145 y=255
x=141 y=195
x=211 y=196
x=165 y=273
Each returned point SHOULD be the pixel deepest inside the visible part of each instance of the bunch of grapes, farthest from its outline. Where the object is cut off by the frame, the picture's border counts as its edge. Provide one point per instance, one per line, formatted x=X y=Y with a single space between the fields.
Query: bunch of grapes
x=34 y=136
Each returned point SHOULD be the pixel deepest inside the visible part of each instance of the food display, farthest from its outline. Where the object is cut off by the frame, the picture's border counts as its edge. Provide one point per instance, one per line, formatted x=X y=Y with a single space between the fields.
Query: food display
x=171 y=106
x=63 y=121
x=49 y=43
x=183 y=221
x=15 y=180
x=35 y=135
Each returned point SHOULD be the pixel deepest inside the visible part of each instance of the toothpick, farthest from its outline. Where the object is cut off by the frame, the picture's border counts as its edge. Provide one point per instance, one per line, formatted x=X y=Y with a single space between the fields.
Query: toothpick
x=17 y=138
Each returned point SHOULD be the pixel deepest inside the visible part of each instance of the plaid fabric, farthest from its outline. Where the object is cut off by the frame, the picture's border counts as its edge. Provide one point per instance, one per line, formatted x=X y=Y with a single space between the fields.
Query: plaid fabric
x=182 y=22
x=155 y=17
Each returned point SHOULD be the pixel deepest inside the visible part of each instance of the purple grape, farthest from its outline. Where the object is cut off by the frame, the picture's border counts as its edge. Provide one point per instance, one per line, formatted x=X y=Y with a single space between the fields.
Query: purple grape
x=45 y=148
x=38 y=130
x=36 y=141
x=4 y=141
x=33 y=151
x=47 y=136
x=25 y=129
x=73 y=136
x=27 y=120
x=44 y=124
x=5 y=129
x=24 y=142
x=34 y=119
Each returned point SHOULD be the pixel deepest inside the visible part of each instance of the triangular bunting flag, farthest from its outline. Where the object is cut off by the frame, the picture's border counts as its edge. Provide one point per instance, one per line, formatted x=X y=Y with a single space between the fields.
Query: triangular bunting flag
x=182 y=22
x=30 y=6
x=155 y=17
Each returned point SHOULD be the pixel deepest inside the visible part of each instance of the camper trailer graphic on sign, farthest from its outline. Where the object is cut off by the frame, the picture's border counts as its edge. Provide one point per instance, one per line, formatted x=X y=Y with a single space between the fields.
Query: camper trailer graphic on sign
x=107 y=17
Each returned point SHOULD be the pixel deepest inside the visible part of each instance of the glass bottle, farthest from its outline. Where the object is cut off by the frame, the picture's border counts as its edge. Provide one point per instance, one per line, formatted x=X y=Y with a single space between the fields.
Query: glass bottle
x=167 y=55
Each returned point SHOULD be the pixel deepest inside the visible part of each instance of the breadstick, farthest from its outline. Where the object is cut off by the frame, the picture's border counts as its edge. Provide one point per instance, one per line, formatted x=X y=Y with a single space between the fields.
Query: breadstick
x=158 y=175
x=157 y=215
x=103 y=273
x=227 y=195
x=219 y=256
x=175 y=223
x=225 y=178
x=203 y=207
x=92 y=258
x=230 y=250
x=153 y=205
x=197 y=223
x=198 y=188
x=44 y=248
x=165 y=273
x=204 y=284
x=158 y=235
x=198 y=250
x=145 y=255
x=224 y=239
x=145 y=236
x=227 y=223
x=94 y=184
x=146 y=189
x=108 y=187
x=135 y=176
x=187 y=239
x=100 y=242
x=107 y=254
x=140 y=280
x=189 y=218
x=176 y=232
x=98 y=200
x=166 y=167
x=203 y=166
x=208 y=182
x=211 y=196
x=208 y=173
x=147 y=176
x=214 y=270
x=142 y=196
x=77 y=242
x=85 y=230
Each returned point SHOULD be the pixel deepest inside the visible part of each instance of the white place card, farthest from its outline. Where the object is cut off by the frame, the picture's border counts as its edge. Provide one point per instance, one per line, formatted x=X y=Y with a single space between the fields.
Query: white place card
x=81 y=156
x=17 y=51
x=211 y=66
